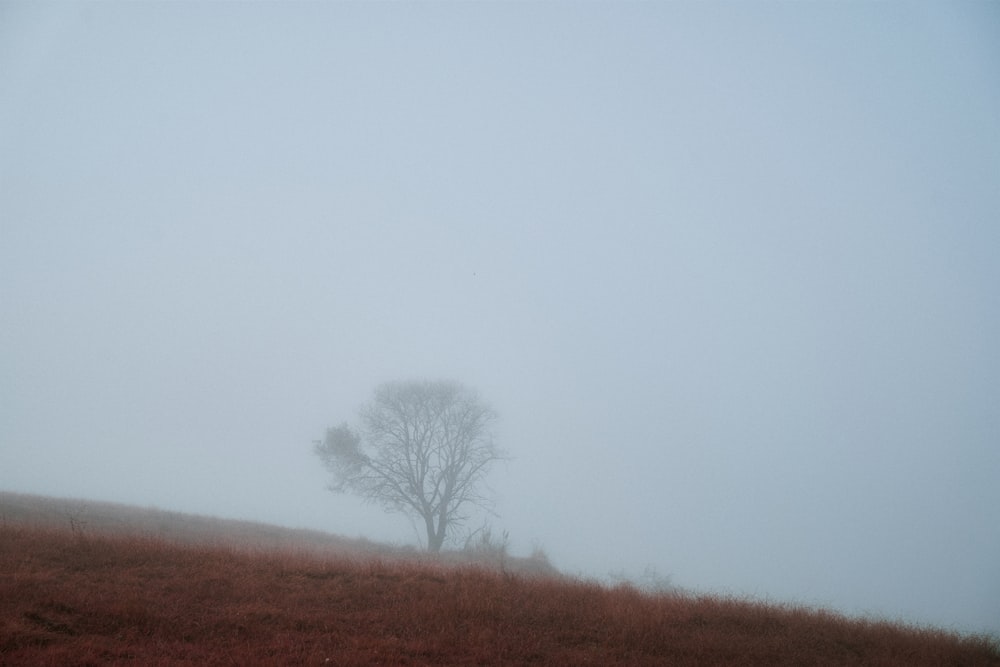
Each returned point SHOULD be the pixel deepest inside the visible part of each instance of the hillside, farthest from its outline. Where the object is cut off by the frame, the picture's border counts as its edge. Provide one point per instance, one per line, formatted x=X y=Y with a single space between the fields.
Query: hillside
x=113 y=588
x=89 y=517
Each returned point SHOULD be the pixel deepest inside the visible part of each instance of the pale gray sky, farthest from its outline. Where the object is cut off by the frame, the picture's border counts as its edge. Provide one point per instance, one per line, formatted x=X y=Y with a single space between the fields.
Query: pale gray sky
x=726 y=270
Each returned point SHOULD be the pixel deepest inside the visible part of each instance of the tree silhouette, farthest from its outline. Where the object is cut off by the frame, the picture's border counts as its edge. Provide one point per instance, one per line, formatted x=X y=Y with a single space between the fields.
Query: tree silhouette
x=423 y=449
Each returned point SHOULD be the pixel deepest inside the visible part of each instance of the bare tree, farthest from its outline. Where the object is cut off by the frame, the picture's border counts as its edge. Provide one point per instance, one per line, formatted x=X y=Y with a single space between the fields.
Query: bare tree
x=423 y=449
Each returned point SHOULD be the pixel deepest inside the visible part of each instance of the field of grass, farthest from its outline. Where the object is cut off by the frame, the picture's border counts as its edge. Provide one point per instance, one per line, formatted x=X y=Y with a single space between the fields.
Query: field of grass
x=73 y=593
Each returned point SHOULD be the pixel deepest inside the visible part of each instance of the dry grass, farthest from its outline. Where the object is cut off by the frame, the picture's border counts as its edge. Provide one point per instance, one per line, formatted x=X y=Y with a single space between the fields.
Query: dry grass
x=79 y=597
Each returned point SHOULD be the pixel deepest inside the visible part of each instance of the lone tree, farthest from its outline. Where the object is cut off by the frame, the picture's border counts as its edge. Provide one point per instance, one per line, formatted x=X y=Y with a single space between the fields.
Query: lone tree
x=423 y=449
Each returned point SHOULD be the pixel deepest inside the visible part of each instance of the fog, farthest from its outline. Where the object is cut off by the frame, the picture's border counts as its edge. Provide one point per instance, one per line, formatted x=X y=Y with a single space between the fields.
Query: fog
x=727 y=272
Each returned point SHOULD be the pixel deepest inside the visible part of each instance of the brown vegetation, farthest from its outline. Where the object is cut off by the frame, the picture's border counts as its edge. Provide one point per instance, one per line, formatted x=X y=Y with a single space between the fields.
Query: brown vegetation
x=76 y=596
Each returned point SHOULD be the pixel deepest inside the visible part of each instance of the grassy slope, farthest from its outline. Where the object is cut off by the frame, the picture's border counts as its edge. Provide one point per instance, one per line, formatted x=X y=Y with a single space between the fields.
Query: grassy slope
x=81 y=596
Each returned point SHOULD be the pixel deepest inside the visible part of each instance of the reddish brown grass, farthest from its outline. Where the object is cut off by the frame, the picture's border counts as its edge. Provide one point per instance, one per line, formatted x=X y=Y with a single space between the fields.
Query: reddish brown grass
x=73 y=598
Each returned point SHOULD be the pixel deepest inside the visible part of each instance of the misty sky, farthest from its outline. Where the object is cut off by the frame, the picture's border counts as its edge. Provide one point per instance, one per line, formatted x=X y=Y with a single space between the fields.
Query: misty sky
x=727 y=271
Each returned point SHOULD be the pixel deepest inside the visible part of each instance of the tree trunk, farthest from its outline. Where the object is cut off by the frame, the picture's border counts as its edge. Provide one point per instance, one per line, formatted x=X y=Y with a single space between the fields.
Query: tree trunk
x=434 y=544
x=435 y=535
